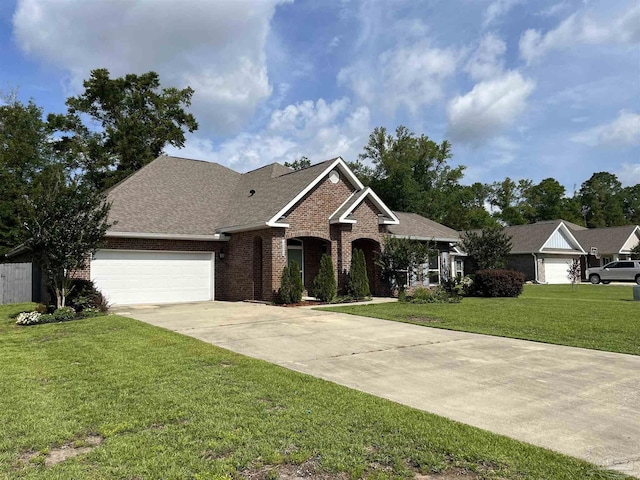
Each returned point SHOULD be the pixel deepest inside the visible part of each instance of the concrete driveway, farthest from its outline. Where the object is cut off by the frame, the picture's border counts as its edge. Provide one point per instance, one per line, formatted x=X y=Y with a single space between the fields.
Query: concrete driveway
x=579 y=402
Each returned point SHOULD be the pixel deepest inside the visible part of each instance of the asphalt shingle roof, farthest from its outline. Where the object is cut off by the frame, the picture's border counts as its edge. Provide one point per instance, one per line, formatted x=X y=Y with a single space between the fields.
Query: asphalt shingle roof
x=173 y=195
x=608 y=240
x=414 y=225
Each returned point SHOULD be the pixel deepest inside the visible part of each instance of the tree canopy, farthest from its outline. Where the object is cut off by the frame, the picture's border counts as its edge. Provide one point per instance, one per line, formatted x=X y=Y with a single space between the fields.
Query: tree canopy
x=137 y=118
x=65 y=223
x=24 y=150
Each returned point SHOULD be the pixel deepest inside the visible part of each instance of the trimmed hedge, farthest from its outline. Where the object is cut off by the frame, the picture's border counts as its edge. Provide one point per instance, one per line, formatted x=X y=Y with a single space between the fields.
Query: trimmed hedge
x=497 y=283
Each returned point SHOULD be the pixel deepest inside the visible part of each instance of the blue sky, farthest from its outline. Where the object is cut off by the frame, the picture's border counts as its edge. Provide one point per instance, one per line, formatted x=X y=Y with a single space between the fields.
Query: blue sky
x=526 y=89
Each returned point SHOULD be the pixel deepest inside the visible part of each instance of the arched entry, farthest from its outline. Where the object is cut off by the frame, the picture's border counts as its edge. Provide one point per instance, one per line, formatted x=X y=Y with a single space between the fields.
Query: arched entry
x=370 y=248
x=307 y=252
x=257 y=268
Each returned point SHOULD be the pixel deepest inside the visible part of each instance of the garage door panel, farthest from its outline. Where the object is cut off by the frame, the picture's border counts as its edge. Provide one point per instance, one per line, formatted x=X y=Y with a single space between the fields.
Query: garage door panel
x=555 y=270
x=133 y=277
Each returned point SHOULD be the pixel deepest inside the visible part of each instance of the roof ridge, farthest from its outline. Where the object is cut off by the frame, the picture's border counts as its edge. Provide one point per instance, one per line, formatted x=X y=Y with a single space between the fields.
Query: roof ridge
x=311 y=166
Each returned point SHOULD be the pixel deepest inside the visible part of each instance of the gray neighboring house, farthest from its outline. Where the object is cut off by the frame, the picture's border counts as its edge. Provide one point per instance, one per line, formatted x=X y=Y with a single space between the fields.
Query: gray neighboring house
x=604 y=245
x=543 y=251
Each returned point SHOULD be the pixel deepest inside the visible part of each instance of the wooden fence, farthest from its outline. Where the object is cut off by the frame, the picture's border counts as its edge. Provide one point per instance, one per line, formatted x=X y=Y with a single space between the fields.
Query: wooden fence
x=15 y=282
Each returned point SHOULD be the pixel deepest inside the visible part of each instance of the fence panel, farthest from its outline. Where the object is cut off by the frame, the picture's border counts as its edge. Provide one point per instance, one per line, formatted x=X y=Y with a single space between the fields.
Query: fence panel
x=15 y=282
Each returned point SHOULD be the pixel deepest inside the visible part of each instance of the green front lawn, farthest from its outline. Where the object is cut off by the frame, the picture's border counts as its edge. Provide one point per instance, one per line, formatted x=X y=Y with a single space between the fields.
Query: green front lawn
x=169 y=406
x=601 y=317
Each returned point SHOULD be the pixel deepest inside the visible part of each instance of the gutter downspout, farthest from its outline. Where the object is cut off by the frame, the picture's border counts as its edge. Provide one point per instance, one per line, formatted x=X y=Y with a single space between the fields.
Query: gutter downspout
x=535 y=266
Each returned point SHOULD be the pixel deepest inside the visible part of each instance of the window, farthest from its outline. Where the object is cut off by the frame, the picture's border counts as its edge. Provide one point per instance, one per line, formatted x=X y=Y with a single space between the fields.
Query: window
x=459 y=266
x=295 y=252
x=625 y=265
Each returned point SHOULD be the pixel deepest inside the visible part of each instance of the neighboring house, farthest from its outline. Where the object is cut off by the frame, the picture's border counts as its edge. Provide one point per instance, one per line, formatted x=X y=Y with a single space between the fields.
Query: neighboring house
x=604 y=245
x=188 y=230
x=543 y=251
x=447 y=263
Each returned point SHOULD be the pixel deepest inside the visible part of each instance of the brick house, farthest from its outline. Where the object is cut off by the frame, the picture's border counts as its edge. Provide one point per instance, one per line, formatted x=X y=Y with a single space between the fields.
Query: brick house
x=188 y=230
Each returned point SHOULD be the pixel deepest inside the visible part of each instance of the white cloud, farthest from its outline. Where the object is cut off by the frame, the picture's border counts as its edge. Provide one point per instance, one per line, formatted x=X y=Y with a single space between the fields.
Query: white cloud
x=581 y=29
x=218 y=49
x=629 y=174
x=487 y=60
x=554 y=9
x=318 y=130
x=496 y=10
x=624 y=131
x=490 y=107
x=406 y=76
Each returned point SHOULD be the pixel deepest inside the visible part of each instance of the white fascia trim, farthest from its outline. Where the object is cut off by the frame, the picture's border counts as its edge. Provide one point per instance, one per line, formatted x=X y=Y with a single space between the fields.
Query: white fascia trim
x=169 y=236
x=428 y=239
x=394 y=220
x=633 y=232
x=377 y=201
x=338 y=220
x=566 y=230
x=246 y=228
x=338 y=162
x=343 y=204
x=343 y=218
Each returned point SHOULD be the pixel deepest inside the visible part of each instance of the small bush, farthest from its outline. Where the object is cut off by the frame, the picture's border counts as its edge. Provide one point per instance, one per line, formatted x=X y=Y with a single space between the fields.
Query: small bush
x=64 y=314
x=291 y=286
x=436 y=294
x=357 y=280
x=497 y=283
x=41 y=308
x=324 y=285
x=458 y=286
x=297 y=287
x=90 y=312
x=402 y=296
x=84 y=295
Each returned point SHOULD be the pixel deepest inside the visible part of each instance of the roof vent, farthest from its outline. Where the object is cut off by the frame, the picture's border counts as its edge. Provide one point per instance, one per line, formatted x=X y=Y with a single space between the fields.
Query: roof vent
x=252 y=192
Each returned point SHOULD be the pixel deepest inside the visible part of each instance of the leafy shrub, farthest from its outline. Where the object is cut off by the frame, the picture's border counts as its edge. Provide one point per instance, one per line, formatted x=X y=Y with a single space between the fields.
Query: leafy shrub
x=324 y=285
x=291 y=286
x=497 y=283
x=458 y=286
x=402 y=296
x=357 y=280
x=64 y=314
x=436 y=294
x=84 y=294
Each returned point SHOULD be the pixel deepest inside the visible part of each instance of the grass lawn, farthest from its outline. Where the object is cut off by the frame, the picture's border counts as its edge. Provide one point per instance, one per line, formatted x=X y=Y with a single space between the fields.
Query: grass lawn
x=169 y=406
x=601 y=317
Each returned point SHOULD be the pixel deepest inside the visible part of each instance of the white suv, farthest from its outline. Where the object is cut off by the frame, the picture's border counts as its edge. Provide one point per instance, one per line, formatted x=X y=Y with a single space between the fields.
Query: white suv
x=620 y=271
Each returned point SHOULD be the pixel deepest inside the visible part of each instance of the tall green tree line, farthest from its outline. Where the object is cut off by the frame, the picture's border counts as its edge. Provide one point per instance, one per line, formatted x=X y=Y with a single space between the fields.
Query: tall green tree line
x=412 y=173
x=115 y=127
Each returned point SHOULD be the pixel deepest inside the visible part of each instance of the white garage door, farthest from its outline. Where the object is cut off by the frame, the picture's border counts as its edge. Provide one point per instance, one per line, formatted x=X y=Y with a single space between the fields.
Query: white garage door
x=555 y=270
x=128 y=277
